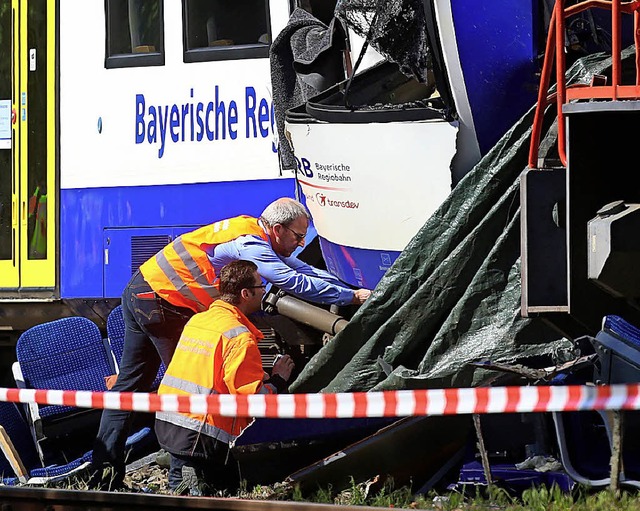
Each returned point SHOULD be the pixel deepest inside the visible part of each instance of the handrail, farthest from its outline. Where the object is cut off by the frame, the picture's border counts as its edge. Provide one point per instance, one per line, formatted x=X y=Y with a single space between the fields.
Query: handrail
x=555 y=51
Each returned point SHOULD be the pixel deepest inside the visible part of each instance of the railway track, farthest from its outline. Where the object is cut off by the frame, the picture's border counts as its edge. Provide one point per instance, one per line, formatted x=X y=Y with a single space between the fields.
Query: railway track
x=36 y=499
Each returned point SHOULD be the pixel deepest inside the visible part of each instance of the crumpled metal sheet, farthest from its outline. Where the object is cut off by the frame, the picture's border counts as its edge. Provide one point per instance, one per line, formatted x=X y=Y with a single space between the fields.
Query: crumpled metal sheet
x=305 y=58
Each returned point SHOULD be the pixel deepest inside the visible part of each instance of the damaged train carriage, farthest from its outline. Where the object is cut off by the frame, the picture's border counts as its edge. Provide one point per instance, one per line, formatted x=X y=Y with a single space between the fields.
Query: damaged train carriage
x=448 y=311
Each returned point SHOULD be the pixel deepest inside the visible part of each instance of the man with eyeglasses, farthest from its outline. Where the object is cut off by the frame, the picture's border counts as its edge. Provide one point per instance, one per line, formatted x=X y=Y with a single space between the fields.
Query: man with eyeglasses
x=285 y=223
x=217 y=354
x=181 y=280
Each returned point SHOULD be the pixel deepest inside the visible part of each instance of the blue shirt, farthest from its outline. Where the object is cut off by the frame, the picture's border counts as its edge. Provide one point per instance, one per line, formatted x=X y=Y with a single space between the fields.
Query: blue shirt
x=288 y=273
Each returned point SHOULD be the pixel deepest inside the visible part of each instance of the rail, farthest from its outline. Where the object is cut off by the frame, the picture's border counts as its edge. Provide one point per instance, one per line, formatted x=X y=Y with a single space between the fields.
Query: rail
x=35 y=499
x=596 y=90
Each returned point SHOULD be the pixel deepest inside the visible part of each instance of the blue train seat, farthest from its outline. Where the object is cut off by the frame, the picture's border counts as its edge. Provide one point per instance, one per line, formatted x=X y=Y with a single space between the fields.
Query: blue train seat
x=511 y=477
x=69 y=354
x=618 y=348
x=115 y=335
x=29 y=468
x=17 y=431
x=66 y=354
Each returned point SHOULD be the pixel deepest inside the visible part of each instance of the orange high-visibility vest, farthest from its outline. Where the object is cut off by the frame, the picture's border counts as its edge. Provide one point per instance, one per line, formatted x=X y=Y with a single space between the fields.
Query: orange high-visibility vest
x=182 y=274
x=217 y=353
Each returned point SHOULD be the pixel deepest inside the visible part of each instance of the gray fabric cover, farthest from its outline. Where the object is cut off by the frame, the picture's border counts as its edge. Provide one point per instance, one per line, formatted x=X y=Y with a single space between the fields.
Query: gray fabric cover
x=305 y=59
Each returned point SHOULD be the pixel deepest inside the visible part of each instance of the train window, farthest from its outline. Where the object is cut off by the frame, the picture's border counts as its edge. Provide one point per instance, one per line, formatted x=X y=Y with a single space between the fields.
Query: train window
x=225 y=29
x=135 y=33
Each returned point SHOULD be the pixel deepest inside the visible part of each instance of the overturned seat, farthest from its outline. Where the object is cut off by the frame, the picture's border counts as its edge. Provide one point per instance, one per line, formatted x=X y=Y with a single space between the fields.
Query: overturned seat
x=18 y=451
x=618 y=349
x=19 y=461
x=66 y=354
x=585 y=438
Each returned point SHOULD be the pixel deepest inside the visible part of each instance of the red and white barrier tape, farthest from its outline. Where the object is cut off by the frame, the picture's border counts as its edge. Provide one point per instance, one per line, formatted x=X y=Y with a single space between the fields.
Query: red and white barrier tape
x=401 y=403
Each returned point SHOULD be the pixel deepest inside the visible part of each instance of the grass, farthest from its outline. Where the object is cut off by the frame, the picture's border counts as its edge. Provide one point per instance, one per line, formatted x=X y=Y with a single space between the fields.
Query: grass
x=535 y=499
x=374 y=493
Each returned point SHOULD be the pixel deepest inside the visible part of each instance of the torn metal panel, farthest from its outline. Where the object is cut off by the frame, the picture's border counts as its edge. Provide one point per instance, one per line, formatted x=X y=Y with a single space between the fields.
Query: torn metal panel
x=410 y=451
x=271 y=449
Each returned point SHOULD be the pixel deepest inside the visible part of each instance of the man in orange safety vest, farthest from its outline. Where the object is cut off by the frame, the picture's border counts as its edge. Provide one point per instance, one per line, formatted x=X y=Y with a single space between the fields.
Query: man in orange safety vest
x=217 y=354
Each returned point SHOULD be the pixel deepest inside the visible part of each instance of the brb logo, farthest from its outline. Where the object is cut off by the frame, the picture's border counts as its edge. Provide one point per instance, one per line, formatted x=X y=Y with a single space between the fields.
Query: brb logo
x=304 y=166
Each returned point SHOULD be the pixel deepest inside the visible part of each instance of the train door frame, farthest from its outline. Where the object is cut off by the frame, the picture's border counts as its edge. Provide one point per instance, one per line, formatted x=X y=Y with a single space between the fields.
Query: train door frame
x=9 y=230
x=31 y=271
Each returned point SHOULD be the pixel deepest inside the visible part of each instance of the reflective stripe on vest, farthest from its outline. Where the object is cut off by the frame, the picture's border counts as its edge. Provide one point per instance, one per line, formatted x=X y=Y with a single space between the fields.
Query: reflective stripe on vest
x=223 y=225
x=195 y=425
x=185 y=385
x=216 y=344
x=181 y=273
x=235 y=332
x=181 y=286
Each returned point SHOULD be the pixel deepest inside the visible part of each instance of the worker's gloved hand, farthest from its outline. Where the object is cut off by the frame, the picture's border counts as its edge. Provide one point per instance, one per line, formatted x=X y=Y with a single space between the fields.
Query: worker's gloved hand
x=283 y=367
x=360 y=295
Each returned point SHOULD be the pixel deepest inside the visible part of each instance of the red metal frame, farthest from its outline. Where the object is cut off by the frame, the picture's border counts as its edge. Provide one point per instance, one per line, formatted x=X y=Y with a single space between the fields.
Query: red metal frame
x=555 y=51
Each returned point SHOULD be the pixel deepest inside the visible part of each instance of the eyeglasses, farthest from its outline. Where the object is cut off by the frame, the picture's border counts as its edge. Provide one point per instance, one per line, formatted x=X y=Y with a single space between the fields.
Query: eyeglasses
x=299 y=237
x=261 y=286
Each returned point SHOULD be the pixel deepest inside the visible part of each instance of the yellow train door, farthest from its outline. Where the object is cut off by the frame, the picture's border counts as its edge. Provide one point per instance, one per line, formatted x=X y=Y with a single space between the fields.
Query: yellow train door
x=9 y=263
x=27 y=146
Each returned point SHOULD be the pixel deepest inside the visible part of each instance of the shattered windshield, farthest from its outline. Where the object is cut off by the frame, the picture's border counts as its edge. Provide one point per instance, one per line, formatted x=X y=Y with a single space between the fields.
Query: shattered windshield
x=394 y=28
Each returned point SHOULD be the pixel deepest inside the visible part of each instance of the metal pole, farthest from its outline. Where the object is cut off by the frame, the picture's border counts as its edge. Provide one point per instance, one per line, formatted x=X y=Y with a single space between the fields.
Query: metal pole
x=615 y=419
x=306 y=313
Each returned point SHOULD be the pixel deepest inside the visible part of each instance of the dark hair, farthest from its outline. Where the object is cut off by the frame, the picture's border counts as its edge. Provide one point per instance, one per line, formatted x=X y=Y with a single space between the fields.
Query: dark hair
x=234 y=277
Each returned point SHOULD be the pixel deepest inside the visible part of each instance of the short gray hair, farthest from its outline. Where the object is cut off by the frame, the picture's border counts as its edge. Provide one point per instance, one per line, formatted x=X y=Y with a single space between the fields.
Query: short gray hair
x=283 y=211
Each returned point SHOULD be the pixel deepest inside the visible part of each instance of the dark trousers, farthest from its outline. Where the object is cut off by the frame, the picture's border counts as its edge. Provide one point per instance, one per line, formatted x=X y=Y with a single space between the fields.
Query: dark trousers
x=219 y=471
x=152 y=329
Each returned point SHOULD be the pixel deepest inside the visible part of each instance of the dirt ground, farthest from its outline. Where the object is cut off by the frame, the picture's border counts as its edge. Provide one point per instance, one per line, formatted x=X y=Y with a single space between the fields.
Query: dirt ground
x=151 y=478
